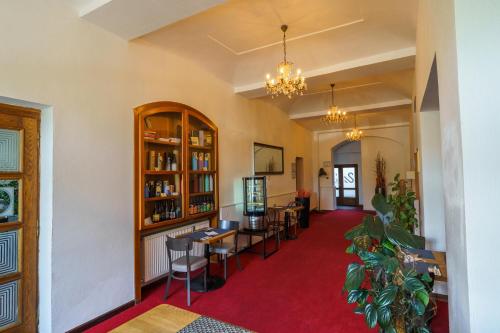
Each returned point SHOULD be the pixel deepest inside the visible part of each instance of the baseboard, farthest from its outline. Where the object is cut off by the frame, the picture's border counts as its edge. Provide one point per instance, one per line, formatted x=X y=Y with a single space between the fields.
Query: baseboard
x=85 y=326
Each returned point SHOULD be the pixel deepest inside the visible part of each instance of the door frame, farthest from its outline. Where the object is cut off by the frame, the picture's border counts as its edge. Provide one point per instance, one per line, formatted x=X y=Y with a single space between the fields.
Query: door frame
x=339 y=200
x=27 y=121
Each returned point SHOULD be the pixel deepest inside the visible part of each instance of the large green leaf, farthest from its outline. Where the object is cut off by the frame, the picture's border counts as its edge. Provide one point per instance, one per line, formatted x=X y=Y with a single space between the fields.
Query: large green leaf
x=374 y=227
x=400 y=236
x=371 y=259
x=426 y=278
x=418 y=306
x=391 y=264
x=353 y=296
x=352 y=233
x=413 y=284
x=354 y=277
x=423 y=296
x=423 y=329
x=371 y=315
x=360 y=310
x=387 y=295
x=380 y=204
x=384 y=316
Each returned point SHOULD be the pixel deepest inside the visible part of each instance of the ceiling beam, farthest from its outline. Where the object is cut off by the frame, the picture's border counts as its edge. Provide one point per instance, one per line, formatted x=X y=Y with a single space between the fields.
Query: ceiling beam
x=130 y=19
x=368 y=107
x=256 y=89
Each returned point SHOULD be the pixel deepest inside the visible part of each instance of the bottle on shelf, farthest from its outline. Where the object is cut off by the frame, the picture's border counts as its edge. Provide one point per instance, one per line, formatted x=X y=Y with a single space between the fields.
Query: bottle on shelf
x=168 y=165
x=194 y=161
x=201 y=159
x=206 y=162
x=174 y=160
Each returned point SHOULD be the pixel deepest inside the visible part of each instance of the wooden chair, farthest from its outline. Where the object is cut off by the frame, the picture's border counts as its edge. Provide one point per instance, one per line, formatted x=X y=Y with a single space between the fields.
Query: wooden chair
x=224 y=249
x=185 y=264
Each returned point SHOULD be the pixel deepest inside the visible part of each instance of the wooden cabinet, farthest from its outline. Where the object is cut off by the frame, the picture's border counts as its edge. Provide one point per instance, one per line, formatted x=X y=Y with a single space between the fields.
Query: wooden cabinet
x=176 y=164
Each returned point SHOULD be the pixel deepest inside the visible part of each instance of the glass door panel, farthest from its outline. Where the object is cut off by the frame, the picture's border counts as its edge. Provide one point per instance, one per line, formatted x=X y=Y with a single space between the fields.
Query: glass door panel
x=346 y=184
x=10 y=159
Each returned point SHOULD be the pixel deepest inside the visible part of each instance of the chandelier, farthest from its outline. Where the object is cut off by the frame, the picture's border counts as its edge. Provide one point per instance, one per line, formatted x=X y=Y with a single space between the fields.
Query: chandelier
x=334 y=114
x=285 y=83
x=355 y=134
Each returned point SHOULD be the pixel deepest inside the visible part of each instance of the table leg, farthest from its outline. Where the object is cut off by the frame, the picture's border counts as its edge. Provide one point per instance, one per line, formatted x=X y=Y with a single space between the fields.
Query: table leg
x=287 y=228
x=213 y=282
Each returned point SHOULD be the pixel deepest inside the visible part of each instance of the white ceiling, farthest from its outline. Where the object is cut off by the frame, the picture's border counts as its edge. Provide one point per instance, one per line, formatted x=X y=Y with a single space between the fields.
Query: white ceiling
x=367 y=47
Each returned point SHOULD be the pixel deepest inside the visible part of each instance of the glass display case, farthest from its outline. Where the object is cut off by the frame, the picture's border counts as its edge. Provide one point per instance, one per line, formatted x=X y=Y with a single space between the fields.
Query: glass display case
x=255 y=201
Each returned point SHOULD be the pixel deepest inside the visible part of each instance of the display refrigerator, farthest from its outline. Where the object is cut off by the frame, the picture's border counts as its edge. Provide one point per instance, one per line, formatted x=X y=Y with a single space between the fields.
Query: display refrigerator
x=255 y=201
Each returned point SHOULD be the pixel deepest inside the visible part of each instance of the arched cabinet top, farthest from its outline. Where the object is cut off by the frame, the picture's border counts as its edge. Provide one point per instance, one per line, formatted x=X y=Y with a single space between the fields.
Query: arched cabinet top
x=167 y=106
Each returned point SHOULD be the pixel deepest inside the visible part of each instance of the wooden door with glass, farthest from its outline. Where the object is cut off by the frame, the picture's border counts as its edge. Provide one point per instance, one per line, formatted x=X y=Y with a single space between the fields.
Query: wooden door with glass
x=19 y=186
x=346 y=184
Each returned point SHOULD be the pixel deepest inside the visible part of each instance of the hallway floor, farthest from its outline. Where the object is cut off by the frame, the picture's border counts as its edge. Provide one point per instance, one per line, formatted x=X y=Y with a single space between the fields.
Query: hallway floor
x=298 y=289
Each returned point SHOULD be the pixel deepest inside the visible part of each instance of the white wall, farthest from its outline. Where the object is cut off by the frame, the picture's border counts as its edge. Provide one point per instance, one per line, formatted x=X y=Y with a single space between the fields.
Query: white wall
x=93 y=80
x=431 y=182
x=477 y=34
x=462 y=34
x=393 y=143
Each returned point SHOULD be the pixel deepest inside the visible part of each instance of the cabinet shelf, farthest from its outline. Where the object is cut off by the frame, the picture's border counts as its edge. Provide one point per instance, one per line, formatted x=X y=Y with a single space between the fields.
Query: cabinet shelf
x=161 y=172
x=194 y=147
x=197 y=194
x=158 y=142
x=162 y=223
x=204 y=214
x=168 y=197
x=202 y=172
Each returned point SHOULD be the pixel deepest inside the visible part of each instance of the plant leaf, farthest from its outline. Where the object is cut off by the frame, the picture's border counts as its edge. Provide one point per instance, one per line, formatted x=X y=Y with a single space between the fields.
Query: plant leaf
x=418 y=306
x=389 y=329
x=353 y=296
x=400 y=236
x=357 y=231
x=387 y=295
x=423 y=296
x=423 y=330
x=384 y=316
x=359 y=309
x=371 y=315
x=426 y=278
x=391 y=264
x=380 y=204
x=354 y=277
x=371 y=259
x=413 y=284
x=374 y=227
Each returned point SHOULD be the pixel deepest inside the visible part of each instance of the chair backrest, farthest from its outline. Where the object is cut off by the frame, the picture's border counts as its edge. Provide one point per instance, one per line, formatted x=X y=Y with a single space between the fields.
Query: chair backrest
x=229 y=225
x=178 y=244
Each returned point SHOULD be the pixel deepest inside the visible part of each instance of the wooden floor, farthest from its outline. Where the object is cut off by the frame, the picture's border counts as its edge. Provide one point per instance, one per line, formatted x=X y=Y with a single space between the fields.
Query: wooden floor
x=163 y=318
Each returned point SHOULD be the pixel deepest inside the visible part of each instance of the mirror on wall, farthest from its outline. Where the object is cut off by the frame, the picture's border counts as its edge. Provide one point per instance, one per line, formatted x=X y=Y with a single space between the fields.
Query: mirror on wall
x=268 y=160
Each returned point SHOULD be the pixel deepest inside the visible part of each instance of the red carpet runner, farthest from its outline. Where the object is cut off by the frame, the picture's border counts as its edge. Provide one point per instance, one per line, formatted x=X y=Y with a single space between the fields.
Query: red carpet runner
x=298 y=289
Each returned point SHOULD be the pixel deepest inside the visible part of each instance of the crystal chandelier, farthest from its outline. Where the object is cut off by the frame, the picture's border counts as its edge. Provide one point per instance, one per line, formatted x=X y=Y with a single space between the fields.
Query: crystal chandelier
x=355 y=134
x=334 y=114
x=286 y=82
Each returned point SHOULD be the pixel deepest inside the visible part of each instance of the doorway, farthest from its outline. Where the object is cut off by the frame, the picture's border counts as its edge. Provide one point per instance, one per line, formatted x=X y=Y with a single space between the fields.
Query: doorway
x=299 y=173
x=19 y=192
x=346 y=184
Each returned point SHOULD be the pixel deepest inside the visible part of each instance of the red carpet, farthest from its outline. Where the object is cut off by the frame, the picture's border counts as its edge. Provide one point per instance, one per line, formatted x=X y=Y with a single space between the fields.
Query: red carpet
x=298 y=289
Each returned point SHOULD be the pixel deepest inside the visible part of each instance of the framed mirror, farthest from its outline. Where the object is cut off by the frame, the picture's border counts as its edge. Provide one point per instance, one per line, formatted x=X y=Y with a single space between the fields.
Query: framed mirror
x=267 y=159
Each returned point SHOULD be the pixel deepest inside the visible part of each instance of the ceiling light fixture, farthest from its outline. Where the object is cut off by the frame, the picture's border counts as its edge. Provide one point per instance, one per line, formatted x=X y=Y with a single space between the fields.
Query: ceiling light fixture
x=334 y=115
x=355 y=134
x=285 y=83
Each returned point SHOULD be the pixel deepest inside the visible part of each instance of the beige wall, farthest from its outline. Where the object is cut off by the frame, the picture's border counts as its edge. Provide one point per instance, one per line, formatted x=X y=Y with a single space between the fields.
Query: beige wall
x=93 y=80
x=393 y=143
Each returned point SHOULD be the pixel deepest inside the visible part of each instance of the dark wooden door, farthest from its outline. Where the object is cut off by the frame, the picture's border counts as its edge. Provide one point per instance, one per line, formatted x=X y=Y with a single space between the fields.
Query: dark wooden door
x=346 y=184
x=19 y=192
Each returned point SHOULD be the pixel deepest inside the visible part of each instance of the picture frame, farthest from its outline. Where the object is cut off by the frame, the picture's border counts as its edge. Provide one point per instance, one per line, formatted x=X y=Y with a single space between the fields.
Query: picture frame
x=268 y=159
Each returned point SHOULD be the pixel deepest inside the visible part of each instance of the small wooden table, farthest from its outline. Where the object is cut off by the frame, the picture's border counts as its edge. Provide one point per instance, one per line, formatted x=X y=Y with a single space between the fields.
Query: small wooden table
x=213 y=282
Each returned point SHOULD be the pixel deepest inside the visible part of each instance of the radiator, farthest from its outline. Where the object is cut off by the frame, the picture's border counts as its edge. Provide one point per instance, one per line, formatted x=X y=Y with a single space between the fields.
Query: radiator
x=154 y=251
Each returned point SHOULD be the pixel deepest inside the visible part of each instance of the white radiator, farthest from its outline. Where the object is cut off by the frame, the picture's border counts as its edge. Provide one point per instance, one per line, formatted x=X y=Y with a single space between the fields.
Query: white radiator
x=154 y=251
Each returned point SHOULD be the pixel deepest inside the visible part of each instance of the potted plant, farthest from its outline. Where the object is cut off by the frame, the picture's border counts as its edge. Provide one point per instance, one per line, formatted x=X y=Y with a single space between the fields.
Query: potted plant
x=388 y=292
x=380 y=172
x=403 y=202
